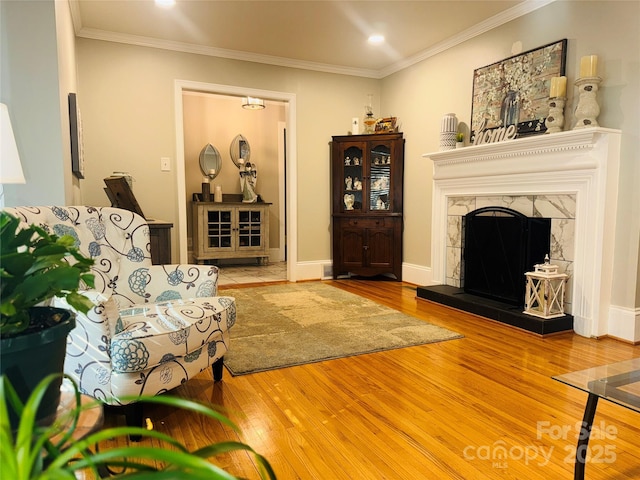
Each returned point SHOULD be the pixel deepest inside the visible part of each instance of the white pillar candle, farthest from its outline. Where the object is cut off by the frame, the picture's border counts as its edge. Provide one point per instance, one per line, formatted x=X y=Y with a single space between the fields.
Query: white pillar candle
x=558 y=87
x=588 y=66
x=212 y=172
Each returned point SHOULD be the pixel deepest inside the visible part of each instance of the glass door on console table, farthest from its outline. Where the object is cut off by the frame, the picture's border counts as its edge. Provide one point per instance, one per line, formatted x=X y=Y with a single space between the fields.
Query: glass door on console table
x=366 y=195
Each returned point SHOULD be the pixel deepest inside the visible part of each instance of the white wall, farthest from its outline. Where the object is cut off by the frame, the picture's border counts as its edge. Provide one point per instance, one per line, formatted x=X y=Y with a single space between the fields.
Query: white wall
x=34 y=89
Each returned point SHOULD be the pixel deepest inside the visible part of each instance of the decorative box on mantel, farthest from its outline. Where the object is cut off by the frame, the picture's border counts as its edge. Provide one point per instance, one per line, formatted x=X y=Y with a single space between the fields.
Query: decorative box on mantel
x=583 y=164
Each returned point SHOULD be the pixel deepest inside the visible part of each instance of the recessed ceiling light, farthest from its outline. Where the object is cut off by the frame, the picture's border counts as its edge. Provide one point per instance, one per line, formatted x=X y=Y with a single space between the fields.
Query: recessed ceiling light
x=165 y=3
x=376 y=39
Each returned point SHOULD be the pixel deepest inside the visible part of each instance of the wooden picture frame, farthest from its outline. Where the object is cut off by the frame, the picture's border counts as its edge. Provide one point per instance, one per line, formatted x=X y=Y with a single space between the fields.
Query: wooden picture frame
x=386 y=125
x=515 y=91
x=121 y=195
x=75 y=126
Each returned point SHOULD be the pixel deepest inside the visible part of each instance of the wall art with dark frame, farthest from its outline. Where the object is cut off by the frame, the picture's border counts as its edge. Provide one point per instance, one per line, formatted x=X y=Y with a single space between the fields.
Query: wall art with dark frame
x=515 y=91
x=77 y=157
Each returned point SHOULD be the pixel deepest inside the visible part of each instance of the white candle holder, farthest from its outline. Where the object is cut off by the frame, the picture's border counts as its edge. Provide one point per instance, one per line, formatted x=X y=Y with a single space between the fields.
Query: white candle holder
x=555 y=119
x=588 y=108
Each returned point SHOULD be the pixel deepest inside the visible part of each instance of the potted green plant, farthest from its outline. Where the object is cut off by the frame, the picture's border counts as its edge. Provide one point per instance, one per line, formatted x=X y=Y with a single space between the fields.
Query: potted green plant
x=459 y=140
x=35 y=267
x=52 y=452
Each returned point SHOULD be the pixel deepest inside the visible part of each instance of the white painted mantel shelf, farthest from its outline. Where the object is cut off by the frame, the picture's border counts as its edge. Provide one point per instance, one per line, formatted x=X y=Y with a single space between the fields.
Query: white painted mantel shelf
x=584 y=163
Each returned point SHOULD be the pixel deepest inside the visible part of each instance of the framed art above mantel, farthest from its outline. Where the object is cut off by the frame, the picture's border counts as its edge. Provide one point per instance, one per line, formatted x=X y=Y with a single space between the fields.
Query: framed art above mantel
x=515 y=91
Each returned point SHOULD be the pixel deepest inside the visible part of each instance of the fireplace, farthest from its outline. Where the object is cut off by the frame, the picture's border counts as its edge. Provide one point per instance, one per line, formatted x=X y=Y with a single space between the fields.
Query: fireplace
x=500 y=245
x=570 y=177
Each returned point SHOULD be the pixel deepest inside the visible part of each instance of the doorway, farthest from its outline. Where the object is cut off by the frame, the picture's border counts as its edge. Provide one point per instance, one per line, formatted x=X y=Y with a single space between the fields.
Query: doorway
x=287 y=163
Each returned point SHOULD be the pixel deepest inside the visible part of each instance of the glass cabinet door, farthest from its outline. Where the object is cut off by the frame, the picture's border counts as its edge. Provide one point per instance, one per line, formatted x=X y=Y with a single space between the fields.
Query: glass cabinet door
x=380 y=178
x=249 y=228
x=218 y=224
x=353 y=178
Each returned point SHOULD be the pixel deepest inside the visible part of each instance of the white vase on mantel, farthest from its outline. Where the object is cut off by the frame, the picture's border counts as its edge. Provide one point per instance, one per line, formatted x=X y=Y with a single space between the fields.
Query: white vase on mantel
x=448 y=131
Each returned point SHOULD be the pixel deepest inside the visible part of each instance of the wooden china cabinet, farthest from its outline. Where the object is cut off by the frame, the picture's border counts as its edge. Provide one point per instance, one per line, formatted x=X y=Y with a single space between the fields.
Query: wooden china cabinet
x=366 y=196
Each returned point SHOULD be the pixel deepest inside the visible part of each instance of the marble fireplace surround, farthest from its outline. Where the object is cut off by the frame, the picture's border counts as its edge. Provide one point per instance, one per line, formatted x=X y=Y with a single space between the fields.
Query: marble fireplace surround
x=570 y=176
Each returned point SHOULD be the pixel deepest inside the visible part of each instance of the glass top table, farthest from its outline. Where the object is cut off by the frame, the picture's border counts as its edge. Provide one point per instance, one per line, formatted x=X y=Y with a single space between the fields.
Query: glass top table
x=617 y=382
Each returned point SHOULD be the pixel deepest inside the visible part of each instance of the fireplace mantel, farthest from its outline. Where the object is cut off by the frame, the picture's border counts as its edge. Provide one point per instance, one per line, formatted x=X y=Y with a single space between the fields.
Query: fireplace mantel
x=584 y=163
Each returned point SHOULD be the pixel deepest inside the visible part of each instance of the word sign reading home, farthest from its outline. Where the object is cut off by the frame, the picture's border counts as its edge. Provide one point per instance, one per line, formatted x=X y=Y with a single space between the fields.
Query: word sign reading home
x=494 y=135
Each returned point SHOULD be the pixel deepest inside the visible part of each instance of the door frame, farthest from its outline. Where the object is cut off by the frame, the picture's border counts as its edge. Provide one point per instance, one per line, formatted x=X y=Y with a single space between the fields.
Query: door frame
x=290 y=186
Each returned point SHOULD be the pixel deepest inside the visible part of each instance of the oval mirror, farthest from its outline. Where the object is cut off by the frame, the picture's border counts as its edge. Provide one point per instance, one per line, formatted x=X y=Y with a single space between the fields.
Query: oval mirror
x=240 y=149
x=210 y=161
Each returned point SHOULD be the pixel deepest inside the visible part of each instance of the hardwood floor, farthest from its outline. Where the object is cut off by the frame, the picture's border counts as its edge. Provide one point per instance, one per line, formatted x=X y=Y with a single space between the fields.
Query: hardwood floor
x=484 y=406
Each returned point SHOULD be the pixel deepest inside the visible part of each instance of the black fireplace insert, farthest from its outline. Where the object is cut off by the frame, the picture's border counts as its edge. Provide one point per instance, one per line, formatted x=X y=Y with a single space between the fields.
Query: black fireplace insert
x=500 y=245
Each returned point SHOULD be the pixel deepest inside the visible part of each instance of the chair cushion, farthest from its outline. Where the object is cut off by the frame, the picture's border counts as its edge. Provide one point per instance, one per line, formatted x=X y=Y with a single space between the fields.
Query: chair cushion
x=150 y=334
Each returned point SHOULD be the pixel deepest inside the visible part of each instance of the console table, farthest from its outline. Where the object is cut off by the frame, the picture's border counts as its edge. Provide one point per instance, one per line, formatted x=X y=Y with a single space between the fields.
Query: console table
x=160 y=240
x=229 y=229
x=618 y=383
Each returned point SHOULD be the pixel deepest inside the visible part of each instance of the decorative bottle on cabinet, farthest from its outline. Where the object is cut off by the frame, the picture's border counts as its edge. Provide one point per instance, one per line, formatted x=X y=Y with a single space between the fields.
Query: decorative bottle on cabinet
x=366 y=192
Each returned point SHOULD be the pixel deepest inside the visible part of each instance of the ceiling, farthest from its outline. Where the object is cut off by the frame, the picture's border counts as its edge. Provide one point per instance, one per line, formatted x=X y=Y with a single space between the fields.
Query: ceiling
x=321 y=35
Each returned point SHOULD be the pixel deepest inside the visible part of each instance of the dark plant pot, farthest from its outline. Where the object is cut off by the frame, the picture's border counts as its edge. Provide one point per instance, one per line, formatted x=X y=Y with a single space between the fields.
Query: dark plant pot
x=32 y=355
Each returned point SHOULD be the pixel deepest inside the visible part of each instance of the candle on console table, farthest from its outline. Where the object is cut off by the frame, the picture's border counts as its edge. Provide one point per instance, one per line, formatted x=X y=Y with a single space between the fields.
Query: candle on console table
x=588 y=66
x=558 y=87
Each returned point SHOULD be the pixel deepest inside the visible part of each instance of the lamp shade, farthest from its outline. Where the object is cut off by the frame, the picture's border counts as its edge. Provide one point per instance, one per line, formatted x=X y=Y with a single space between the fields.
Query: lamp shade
x=252 y=103
x=10 y=167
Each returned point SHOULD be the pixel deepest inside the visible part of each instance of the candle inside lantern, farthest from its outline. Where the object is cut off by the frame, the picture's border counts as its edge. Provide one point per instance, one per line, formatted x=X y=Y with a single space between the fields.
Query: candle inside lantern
x=212 y=172
x=588 y=66
x=558 y=87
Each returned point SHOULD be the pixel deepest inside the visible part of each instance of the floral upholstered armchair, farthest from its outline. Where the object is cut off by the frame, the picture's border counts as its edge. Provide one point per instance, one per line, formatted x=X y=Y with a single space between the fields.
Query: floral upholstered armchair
x=154 y=326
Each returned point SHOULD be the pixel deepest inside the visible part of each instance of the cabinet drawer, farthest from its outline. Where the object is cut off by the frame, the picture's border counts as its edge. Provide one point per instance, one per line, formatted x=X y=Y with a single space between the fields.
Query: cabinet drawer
x=368 y=222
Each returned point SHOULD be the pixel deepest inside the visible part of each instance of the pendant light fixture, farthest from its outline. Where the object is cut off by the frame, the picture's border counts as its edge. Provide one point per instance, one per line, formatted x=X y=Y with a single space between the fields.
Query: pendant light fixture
x=252 y=103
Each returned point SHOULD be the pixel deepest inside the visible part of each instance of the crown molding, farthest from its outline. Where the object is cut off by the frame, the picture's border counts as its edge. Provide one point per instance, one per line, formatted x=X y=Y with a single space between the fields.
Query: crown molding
x=519 y=10
x=477 y=30
x=141 y=41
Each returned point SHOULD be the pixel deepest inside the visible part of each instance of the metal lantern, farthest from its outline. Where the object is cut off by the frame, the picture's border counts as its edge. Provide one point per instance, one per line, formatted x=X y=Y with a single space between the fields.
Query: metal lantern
x=545 y=291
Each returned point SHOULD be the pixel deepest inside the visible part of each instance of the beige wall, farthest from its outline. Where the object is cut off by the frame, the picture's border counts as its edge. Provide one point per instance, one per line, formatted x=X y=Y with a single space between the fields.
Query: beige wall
x=128 y=114
x=422 y=94
x=216 y=120
x=126 y=95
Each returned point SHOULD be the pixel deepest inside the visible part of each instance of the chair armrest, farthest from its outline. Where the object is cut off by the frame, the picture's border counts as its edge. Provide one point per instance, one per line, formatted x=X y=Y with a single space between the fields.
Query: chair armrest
x=158 y=283
x=88 y=355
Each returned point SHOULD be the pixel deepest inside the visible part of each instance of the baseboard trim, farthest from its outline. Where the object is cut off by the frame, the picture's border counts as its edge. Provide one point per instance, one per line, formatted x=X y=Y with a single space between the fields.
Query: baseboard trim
x=322 y=270
x=624 y=324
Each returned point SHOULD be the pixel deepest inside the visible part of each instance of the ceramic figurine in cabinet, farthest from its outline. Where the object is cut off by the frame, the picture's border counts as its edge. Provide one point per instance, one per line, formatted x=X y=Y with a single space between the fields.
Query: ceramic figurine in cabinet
x=349 y=198
x=357 y=184
x=348 y=182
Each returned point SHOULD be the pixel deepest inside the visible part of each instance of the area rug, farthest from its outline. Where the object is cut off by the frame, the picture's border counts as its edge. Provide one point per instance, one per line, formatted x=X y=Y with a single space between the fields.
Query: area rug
x=292 y=324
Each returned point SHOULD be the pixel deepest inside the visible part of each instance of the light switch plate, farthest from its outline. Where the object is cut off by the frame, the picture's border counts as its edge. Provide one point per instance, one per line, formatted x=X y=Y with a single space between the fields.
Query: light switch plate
x=165 y=164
